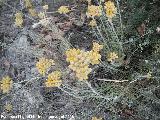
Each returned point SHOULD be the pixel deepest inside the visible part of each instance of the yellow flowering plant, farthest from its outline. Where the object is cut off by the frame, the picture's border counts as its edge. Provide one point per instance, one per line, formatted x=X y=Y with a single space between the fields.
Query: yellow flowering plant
x=6 y=84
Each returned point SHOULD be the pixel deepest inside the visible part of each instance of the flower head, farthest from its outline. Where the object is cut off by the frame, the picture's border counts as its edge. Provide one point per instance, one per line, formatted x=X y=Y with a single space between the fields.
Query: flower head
x=82 y=73
x=19 y=19
x=45 y=7
x=79 y=62
x=112 y=56
x=95 y=118
x=63 y=10
x=111 y=10
x=41 y=15
x=32 y=12
x=54 y=79
x=92 y=23
x=97 y=47
x=94 y=57
x=93 y=11
x=28 y=3
x=8 y=107
x=71 y=55
x=43 y=64
x=6 y=84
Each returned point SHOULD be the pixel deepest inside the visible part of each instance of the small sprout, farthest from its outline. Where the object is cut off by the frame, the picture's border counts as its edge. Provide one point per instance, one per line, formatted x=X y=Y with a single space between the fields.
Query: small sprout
x=54 y=79
x=6 y=84
x=43 y=64
x=112 y=56
x=63 y=10
x=19 y=19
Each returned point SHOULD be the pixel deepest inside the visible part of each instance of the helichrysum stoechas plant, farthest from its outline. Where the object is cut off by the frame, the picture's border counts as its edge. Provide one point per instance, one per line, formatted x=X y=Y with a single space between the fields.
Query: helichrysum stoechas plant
x=93 y=11
x=63 y=10
x=95 y=118
x=19 y=19
x=6 y=84
x=80 y=60
x=43 y=64
x=54 y=79
x=110 y=9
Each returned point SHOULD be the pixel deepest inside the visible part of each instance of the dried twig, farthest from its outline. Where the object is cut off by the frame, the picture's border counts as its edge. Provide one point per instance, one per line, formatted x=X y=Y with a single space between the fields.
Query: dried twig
x=117 y=81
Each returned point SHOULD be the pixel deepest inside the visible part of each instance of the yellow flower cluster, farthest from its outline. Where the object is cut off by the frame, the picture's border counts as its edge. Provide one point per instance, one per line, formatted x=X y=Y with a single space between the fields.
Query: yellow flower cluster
x=97 y=47
x=92 y=23
x=45 y=7
x=28 y=3
x=43 y=64
x=19 y=19
x=63 y=10
x=8 y=107
x=6 y=84
x=94 y=54
x=32 y=12
x=54 y=79
x=80 y=60
x=110 y=8
x=29 y=6
x=95 y=118
x=112 y=56
x=93 y=11
x=41 y=15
